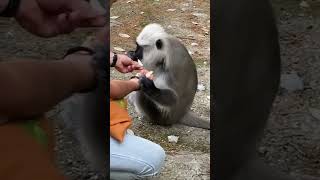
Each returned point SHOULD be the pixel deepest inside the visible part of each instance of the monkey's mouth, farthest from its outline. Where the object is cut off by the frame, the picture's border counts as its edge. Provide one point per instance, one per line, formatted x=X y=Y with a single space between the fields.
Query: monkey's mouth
x=132 y=55
x=137 y=54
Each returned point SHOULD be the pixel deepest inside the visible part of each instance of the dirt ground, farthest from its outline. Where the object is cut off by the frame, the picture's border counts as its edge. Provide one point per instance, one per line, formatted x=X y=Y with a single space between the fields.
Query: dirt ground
x=190 y=22
x=292 y=139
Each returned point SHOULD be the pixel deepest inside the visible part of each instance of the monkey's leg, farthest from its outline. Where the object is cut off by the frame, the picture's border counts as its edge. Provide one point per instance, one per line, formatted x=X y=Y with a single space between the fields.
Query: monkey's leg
x=153 y=112
x=164 y=97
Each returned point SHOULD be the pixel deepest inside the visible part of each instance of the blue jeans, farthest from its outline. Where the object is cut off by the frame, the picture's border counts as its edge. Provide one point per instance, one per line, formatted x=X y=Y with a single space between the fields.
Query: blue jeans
x=135 y=158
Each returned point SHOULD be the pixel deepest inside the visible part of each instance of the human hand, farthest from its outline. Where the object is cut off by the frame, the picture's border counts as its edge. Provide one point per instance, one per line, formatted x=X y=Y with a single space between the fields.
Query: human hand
x=148 y=74
x=125 y=64
x=47 y=18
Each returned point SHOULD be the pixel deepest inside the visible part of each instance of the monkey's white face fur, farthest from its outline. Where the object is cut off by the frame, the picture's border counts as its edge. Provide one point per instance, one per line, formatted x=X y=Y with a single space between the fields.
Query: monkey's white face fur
x=150 y=34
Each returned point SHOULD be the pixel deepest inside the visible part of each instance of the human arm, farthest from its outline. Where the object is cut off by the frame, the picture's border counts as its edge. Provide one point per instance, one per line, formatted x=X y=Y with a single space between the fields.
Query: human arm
x=121 y=88
x=31 y=87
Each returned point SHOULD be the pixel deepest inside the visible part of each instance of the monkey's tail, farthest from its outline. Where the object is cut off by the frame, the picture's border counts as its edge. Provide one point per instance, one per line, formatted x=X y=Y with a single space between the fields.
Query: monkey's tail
x=193 y=120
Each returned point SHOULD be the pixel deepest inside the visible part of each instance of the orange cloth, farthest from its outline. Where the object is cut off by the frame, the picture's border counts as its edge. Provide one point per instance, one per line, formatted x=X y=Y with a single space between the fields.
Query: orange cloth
x=23 y=157
x=120 y=120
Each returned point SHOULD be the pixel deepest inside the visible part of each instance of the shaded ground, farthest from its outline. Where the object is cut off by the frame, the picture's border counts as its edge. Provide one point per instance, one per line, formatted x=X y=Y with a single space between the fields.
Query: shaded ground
x=189 y=158
x=292 y=139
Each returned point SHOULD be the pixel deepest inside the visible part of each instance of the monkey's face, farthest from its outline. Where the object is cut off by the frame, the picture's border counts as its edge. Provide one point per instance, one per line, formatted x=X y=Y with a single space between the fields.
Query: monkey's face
x=137 y=54
x=152 y=56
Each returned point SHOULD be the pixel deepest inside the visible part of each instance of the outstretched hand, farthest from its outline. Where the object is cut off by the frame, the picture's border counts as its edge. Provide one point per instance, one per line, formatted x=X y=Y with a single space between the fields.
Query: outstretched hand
x=47 y=18
x=125 y=64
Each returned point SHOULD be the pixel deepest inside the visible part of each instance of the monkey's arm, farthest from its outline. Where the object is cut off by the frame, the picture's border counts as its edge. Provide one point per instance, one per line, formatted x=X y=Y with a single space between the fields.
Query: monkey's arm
x=164 y=97
x=31 y=87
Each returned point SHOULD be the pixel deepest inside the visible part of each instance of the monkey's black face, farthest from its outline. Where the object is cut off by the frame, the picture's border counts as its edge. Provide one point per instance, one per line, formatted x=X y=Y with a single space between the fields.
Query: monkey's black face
x=137 y=54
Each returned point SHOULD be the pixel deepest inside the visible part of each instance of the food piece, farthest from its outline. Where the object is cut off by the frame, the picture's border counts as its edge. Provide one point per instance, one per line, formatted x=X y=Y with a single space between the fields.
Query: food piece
x=140 y=63
x=149 y=73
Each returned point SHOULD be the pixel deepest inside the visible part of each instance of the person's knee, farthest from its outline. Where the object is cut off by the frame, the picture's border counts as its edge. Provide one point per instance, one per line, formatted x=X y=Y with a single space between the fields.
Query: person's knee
x=154 y=163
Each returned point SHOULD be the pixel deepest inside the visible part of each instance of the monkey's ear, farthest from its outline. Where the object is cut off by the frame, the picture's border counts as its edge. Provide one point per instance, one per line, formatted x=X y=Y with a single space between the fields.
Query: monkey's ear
x=159 y=44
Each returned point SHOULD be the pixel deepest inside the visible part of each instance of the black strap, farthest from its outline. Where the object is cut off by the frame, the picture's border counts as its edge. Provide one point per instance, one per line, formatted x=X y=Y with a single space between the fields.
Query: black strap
x=11 y=9
x=114 y=60
x=79 y=48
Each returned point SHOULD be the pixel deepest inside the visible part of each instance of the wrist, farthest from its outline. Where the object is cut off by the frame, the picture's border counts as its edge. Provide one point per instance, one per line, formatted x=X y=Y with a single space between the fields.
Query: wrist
x=83 y=71
x=135 y=84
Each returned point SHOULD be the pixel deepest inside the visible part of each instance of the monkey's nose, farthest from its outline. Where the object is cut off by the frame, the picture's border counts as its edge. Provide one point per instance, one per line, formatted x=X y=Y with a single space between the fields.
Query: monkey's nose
x=132 y=55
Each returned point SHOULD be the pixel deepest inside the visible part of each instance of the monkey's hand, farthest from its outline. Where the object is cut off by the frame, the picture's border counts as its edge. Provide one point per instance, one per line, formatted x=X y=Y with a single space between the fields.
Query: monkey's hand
x=164 y=97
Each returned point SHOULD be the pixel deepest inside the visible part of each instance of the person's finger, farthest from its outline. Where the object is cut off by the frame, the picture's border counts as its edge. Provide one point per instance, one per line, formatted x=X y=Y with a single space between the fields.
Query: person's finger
x=135 y=67
x=98 y=21
x=130 y=69
x=144 y=71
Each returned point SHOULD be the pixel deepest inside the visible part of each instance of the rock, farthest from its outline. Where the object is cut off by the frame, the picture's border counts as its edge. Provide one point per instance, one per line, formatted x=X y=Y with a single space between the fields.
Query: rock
x=114 y=17
x=194 y=44
x=173 y=139
x=129 y=131
x=124 y=35
x=195 y=23
x=199 y=15
x=190 y=52
x=304 y=4
x=291 y=82
x=141 y=12
x=119 y=49
x=315 y=113
x=201 y=87
x=208 y=97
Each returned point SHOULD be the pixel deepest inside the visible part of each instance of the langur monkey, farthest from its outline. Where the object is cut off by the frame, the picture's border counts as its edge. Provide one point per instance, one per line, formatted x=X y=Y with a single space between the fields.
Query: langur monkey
x=167 y=99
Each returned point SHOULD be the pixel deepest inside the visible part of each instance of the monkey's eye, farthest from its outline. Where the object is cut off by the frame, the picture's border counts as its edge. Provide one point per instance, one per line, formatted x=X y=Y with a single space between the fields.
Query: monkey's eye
x=159 y=44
